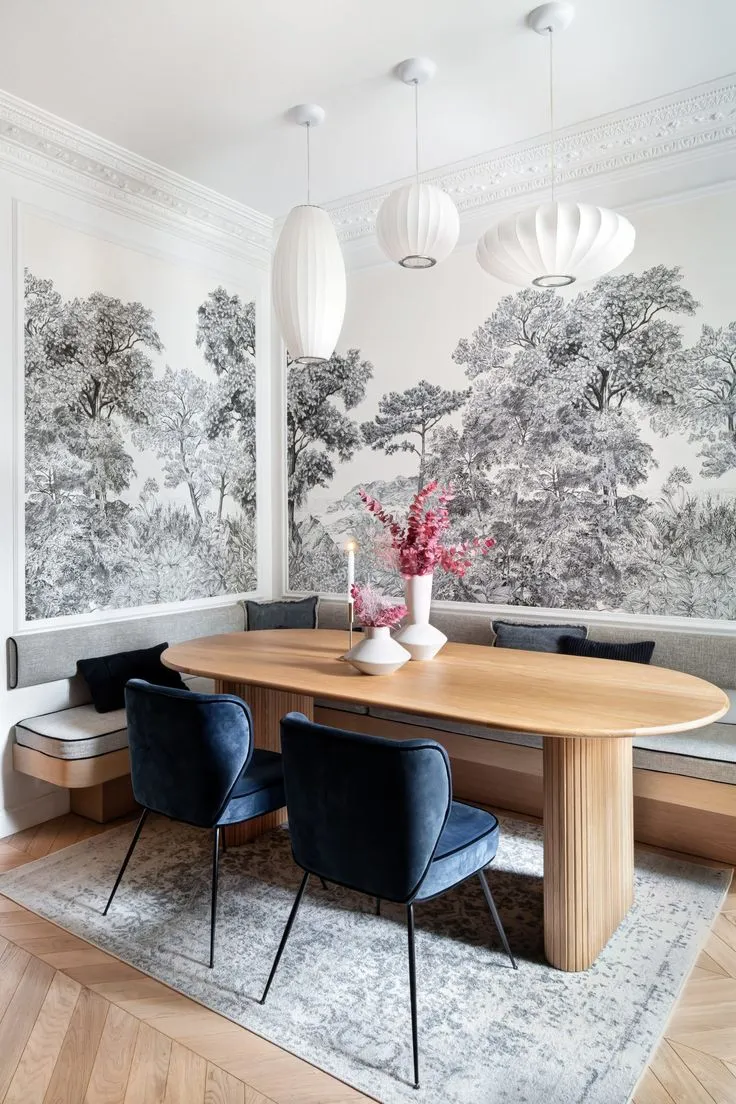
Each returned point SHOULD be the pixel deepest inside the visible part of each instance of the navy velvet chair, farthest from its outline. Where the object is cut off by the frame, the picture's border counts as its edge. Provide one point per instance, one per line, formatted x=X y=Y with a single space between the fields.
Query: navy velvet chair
x=377 y=816
x=192 y=759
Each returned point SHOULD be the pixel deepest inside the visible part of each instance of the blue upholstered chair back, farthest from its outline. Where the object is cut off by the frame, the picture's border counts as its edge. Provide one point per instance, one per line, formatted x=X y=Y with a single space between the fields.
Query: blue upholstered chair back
x=187 y=750
x=364 y=811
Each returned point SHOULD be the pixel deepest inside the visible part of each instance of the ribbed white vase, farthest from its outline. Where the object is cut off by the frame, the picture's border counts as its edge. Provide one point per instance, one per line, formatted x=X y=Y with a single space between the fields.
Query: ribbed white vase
x=420 y=638
x=377 y=653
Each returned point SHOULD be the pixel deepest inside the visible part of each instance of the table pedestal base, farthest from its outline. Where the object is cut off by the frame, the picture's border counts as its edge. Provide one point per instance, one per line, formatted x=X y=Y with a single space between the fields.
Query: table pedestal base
x=268 y=707
x=588 y=846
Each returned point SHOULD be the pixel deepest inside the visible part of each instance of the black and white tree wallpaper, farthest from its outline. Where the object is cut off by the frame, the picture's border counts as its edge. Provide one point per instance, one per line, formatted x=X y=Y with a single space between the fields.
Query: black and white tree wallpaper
x=552 y=426
x=140 y=474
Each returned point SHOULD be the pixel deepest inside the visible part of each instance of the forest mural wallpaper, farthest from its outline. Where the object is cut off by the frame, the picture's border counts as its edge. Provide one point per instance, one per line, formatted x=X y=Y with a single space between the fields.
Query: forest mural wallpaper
x=558 y=424
x=139 y=459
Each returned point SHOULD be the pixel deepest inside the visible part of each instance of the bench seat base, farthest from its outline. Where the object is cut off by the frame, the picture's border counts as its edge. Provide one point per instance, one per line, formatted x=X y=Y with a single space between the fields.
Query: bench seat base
x=99 y=788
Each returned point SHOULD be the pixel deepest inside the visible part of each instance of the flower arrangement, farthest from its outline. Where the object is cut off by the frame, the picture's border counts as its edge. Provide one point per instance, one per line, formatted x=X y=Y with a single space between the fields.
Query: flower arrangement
x=374 y=610
x=417 y=546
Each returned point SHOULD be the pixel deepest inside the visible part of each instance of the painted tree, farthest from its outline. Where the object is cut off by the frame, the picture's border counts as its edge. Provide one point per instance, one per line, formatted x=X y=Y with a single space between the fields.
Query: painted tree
x=557 y=386
x=405 y=419
x=318 y=428
x=176 y=431
x=705 y=404
x=226 y=333
x=623 y=331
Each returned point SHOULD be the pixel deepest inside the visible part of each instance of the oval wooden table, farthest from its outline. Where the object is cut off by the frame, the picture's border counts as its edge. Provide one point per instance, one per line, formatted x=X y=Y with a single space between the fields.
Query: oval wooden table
x=587 y=710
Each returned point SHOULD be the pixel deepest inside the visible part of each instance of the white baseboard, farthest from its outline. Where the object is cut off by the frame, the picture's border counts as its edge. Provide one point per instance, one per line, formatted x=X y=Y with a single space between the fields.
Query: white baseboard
x=47 y=807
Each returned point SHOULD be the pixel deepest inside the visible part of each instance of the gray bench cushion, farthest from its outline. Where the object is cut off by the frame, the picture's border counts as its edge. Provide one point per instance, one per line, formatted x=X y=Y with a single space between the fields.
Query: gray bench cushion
x=81 y=732
x=708 y=752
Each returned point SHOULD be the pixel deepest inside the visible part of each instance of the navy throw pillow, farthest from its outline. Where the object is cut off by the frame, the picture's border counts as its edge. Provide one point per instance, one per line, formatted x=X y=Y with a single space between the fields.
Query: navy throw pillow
x=635 y=651
x=106 y=676
x=301 y=614
x=534 y=638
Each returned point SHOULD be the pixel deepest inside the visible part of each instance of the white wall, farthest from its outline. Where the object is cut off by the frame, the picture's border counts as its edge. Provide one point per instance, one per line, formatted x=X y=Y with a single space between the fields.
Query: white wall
x=81 y=182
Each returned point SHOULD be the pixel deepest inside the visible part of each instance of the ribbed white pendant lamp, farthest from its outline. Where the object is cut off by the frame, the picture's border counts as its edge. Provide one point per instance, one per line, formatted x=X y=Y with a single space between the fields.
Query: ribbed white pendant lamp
x=308 y=280
x=417 y=225
x=556 y=243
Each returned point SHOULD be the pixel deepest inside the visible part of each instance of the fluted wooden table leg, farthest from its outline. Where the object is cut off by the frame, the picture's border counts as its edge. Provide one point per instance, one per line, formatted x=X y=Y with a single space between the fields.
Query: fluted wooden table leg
x=268 y=707
x=588 y=846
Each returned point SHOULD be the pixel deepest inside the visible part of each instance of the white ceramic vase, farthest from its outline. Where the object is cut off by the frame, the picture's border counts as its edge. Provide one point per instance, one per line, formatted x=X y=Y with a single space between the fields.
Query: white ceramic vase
x=420 y=638
x=377 y=653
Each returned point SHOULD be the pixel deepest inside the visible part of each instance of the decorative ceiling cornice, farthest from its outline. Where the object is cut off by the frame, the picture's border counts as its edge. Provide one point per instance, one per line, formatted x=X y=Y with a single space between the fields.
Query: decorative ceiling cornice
x=47 y=148
x=683 y=125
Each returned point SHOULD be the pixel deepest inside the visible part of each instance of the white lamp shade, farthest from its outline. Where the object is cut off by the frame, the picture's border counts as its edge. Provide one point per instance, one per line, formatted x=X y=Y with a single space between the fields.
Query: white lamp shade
x=418 y=225
x=308 y=283
x=555 y=244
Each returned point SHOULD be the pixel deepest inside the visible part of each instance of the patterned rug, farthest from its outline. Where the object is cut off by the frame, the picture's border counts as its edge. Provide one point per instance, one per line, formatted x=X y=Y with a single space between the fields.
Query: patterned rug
x=488 y=1034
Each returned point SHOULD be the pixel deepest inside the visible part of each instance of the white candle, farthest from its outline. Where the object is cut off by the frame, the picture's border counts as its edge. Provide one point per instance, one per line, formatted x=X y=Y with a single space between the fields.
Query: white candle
x=351 y=573
x=350 y=546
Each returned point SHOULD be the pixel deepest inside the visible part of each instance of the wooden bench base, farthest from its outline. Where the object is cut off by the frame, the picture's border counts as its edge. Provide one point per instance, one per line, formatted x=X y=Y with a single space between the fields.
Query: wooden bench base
x=99 y=788
x=691 y=815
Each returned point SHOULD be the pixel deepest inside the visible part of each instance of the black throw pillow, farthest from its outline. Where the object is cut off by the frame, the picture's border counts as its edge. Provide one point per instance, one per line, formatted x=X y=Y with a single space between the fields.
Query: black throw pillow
x=106 y=676
x=300 y=614
x=634 y=651
x=533 y=638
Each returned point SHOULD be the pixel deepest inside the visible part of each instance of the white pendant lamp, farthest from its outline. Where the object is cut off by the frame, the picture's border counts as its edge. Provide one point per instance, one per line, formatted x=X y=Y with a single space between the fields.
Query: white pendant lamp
x=417 y=225
x=556 y=243
x=308 y=280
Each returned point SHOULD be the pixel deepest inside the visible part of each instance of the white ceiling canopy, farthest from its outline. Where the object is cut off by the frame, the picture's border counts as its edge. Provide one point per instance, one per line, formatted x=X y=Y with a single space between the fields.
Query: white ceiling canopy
x=200 y=88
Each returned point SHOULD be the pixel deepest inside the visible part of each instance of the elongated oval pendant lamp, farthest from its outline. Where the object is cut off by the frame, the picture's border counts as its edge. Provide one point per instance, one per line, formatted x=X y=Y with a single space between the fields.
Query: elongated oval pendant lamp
x=555 y=243
x=308 y=278
x=417 y=225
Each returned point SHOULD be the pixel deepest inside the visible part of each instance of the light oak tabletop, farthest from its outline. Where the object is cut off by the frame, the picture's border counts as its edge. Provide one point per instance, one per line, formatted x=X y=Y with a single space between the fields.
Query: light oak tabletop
x=504 y=688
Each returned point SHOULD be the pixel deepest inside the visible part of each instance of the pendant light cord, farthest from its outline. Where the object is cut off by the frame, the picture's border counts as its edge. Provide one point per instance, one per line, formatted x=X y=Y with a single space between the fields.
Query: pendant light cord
x=309 y=170
x=416 y=131
x=552 y=112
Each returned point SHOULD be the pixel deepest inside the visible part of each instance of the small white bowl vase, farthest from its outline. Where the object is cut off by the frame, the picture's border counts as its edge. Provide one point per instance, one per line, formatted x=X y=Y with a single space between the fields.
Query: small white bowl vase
x=377 y=653
x=420 y=638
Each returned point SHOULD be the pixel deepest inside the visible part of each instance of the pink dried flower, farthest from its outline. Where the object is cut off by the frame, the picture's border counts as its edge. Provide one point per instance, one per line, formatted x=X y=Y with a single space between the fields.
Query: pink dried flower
x=373 y=610
x=418 y=545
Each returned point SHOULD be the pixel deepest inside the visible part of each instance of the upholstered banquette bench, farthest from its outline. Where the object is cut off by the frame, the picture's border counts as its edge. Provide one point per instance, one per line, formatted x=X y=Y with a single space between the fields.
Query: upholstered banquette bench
x=685 y=785
x=84 y=750
x=75 y=746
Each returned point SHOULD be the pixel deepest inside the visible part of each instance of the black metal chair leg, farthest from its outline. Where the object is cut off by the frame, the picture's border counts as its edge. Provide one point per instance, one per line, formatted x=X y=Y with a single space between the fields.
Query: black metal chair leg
x=285 y=936
x=496 y=918
x=378 y=906
x=126 y=860
x=413 y=991
x=213 y=910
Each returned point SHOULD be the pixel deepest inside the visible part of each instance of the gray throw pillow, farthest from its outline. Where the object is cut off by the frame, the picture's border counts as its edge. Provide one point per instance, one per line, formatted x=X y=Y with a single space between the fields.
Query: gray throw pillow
x=300 y=614
x=534 y=638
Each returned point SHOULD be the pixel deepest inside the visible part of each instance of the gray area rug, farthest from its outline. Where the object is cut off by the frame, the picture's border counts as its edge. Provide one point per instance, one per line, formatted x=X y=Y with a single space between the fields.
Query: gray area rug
x=488 y=1035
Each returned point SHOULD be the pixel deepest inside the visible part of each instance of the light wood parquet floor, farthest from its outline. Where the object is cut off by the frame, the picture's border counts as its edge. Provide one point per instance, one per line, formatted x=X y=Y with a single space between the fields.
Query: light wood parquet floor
x=77 y=1026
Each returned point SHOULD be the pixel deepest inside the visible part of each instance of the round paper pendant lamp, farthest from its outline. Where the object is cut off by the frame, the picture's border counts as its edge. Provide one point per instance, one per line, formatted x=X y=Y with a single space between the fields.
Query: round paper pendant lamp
x=417 y=225
x=308 y=285
x=556 y=244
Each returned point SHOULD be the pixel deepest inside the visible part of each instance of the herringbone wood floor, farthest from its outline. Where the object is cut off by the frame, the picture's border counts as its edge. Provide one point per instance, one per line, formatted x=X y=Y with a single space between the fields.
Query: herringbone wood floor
x=78 y=1026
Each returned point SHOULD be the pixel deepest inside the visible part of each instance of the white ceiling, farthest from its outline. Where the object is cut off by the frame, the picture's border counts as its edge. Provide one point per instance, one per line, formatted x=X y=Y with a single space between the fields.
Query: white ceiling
x=202 y=87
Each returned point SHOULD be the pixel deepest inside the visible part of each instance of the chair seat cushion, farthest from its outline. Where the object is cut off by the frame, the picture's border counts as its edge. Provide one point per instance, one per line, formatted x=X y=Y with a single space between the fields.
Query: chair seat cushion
x=260 y=788
x=469 y=841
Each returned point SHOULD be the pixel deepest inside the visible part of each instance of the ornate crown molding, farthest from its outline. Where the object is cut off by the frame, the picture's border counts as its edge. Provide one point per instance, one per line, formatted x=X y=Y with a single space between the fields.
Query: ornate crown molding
x=42 y=146
x=684 y=125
